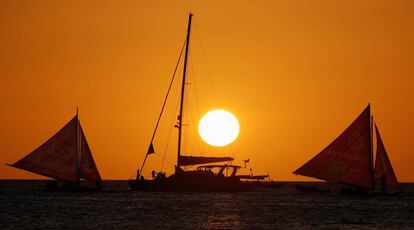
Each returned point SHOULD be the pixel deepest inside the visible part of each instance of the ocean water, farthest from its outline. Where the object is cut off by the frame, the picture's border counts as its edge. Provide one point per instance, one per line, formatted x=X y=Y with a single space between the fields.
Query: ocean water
x=24 y=205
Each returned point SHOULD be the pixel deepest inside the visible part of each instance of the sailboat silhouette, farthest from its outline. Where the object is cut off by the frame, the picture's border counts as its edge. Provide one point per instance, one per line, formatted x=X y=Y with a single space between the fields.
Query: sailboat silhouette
x=348 y=160
x=203 y=179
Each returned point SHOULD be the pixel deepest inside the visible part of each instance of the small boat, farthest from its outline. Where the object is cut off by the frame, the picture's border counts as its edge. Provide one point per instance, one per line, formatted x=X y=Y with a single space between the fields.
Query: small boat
x=348 y=160
x=204 y=178
x=65 y=157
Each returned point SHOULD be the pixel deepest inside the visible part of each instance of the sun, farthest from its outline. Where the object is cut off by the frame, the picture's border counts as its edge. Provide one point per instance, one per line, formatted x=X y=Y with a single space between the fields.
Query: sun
x=218 y=128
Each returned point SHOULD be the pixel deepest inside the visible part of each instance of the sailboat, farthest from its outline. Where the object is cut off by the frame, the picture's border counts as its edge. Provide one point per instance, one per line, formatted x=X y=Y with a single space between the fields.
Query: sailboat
x=348 y=160
x=65 y=157
x=203 y=178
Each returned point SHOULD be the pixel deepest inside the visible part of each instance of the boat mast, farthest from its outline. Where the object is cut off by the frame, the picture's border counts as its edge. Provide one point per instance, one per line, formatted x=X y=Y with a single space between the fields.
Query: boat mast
x=78 y=149
x=371 y=155
x=180 y=115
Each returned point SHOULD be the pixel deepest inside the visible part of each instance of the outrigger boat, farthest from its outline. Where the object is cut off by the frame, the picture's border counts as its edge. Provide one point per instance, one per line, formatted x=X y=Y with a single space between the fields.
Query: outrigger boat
x=348 y=160
x=203 y=178
x=65 y=157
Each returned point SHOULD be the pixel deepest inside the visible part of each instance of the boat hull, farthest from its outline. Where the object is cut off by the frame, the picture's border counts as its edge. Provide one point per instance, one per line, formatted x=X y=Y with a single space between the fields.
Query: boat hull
x=312 y=189
x=55 y=186
x=191 y=182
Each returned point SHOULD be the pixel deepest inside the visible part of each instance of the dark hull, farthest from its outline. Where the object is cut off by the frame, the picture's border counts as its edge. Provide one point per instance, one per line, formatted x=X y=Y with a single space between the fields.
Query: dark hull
x=385 y=193
x=54 y=186
x=312 y=188
x=355 y=191
x=73 y=190
x=191 y=182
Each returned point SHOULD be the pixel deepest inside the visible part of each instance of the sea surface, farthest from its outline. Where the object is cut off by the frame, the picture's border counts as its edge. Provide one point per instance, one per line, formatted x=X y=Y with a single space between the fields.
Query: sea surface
x=25 y=205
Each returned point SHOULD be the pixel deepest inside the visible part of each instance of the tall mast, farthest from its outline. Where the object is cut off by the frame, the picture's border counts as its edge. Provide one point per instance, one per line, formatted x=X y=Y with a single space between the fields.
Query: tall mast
x=78 y=148
x=180 y=116
x=371 y=155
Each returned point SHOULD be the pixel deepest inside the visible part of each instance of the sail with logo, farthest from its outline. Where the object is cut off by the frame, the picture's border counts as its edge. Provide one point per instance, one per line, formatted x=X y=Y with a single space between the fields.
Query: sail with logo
x=349 y=160
x=65 y=157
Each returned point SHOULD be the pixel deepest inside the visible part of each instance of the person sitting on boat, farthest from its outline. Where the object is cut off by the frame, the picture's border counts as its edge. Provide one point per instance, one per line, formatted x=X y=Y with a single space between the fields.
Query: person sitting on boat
x=157 y=175
x=161 y=175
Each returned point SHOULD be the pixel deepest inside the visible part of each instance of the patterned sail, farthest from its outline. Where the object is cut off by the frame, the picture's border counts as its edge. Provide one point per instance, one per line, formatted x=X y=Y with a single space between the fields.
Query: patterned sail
x=194 y=160
x=348 y=158
x=88 y=169
x=57 y=157
x=384 y=174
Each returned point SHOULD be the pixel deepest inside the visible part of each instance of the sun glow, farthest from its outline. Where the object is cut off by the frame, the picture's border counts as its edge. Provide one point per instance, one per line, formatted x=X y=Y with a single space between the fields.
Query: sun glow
x=218 y=128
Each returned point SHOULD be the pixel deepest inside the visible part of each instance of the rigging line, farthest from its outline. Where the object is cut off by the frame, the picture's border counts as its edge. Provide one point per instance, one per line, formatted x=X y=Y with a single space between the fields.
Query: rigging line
x=190 y=117
x=206 y=63
x=197 y=105
x=195 y=88
x=168 y=92
x=200 y=147
x=135 y=173
x=172 y=121
x=168 y=159
x=188 y=123
x=166 y=148
x=163 y=105
x=190 y=129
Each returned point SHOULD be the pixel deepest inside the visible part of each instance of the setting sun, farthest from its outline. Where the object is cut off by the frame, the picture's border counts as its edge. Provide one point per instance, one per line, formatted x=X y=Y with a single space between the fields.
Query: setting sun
x=219 y=128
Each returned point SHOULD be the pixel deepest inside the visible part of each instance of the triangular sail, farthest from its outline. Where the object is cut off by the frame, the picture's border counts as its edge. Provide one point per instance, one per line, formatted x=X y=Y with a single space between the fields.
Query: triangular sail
x=88 y=169
x=195 y=160
x=348 y=158
x=383 y=168
x=57 y=157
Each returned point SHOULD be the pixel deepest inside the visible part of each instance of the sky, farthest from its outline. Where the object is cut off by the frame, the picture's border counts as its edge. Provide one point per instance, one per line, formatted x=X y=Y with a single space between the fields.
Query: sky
x=294 y=73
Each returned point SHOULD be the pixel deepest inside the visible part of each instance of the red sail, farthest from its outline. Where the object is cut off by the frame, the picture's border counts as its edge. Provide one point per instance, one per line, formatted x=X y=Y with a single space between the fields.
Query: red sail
x=57 y=157
x=192 y=160
x=88 y=169
x=383 y=168
x=347 y=159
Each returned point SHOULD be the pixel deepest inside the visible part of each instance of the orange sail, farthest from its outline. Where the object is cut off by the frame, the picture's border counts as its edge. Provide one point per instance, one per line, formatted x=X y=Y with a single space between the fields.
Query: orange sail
x=348 y=158
x=384 y=174
x=88 y=169
x=57 y=157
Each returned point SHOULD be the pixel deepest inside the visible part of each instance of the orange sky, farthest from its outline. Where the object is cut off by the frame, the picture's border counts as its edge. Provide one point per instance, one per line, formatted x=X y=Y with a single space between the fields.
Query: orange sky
x=295 y=73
